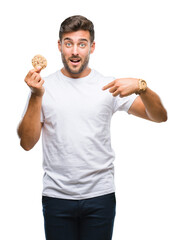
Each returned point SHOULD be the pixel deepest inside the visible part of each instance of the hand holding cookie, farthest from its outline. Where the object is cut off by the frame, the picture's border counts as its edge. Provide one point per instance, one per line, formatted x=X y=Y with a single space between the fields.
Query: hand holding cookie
x=33 y=78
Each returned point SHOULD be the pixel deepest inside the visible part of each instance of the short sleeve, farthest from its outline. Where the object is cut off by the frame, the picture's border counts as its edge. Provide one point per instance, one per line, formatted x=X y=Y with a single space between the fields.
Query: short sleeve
x=123 y=104
x=26 y=106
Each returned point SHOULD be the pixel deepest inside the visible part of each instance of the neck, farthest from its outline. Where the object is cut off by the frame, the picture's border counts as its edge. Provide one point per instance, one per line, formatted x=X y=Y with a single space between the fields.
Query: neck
x=84 y=73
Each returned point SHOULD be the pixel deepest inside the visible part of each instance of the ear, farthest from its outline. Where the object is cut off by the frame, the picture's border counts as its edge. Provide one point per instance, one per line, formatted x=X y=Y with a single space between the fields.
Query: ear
x=59 y=45
x=92 y=47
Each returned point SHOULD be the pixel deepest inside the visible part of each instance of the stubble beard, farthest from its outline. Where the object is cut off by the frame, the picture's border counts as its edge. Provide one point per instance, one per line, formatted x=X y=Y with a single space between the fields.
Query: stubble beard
x=82 y=67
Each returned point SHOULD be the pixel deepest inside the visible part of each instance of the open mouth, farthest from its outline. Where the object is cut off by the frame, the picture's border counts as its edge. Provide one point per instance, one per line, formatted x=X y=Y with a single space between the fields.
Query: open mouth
x=75 y=61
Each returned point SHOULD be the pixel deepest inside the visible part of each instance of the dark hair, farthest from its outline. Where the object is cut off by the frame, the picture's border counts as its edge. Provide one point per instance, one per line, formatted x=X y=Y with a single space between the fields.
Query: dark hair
x=75 y=23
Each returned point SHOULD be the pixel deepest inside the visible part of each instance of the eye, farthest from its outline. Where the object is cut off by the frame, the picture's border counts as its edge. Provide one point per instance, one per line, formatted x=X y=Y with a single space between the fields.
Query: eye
x=68 y=44
x=82 y=45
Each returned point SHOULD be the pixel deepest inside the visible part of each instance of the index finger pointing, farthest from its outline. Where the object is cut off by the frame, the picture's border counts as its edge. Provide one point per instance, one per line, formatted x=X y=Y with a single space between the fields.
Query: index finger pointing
x=108 y=85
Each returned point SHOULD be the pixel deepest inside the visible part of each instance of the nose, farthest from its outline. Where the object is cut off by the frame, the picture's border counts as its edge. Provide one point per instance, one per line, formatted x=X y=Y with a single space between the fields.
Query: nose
x=75 y=50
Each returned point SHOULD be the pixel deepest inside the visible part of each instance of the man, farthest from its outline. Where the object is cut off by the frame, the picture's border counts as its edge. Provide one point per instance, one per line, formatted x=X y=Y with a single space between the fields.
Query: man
x=74 y=111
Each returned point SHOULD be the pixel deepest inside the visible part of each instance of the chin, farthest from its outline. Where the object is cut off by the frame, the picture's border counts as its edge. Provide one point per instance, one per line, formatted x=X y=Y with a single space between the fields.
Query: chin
x=73 y=71
x=77 y=70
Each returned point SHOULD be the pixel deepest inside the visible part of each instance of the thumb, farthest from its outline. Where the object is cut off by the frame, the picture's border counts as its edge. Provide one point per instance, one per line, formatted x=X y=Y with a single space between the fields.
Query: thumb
x=38 y=69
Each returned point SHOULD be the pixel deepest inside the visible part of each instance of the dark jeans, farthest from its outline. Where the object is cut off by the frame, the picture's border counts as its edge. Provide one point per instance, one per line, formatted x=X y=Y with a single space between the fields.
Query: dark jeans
x=87 y=219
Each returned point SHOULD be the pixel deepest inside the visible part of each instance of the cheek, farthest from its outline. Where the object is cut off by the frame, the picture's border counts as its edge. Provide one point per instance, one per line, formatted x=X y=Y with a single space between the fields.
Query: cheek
x=85 y=53
x=66 y=51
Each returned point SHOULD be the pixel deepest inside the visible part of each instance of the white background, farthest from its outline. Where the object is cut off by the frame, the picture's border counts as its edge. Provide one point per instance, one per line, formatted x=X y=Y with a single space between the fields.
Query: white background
x=141 y=39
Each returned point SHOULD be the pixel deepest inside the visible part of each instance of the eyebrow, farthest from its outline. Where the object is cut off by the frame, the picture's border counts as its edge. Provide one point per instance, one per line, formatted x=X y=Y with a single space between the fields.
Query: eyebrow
x=81 y=39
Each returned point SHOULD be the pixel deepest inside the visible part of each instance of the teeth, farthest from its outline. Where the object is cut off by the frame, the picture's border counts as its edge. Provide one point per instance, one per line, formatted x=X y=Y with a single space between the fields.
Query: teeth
x=75 y=60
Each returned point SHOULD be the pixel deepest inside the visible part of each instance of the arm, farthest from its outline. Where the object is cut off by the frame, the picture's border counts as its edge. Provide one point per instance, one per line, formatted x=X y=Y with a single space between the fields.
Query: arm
x=148 y=105
x=29 y=129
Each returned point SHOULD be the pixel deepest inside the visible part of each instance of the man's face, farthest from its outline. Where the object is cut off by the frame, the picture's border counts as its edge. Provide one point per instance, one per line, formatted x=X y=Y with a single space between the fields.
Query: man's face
x=75 y=49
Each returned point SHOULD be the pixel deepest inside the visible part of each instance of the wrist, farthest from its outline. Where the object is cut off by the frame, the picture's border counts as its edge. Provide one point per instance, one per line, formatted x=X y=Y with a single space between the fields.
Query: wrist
x=36 y=95
x=142 y=86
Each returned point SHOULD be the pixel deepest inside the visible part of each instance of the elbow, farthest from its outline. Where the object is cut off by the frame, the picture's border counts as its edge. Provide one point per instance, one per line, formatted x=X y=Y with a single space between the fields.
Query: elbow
x=25 y=146
x=163 y=117
x=159 y=117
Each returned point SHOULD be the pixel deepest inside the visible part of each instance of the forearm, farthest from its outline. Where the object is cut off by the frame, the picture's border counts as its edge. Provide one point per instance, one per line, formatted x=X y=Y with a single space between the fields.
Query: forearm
x=154 y=108
x=30 y=127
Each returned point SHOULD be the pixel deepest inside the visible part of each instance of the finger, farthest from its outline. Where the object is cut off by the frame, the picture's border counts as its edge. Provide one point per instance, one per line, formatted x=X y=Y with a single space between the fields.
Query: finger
x=31 y=80
x=34 y=75
x=38 y=69
x=116 y=93
x=38 y=78
x=108 y=85
x=41 y=82
x=113 y=89
x=30 y=73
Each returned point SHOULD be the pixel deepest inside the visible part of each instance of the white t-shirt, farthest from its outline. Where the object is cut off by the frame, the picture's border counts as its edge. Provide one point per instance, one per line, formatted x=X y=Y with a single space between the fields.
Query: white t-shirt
x=77 y=153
